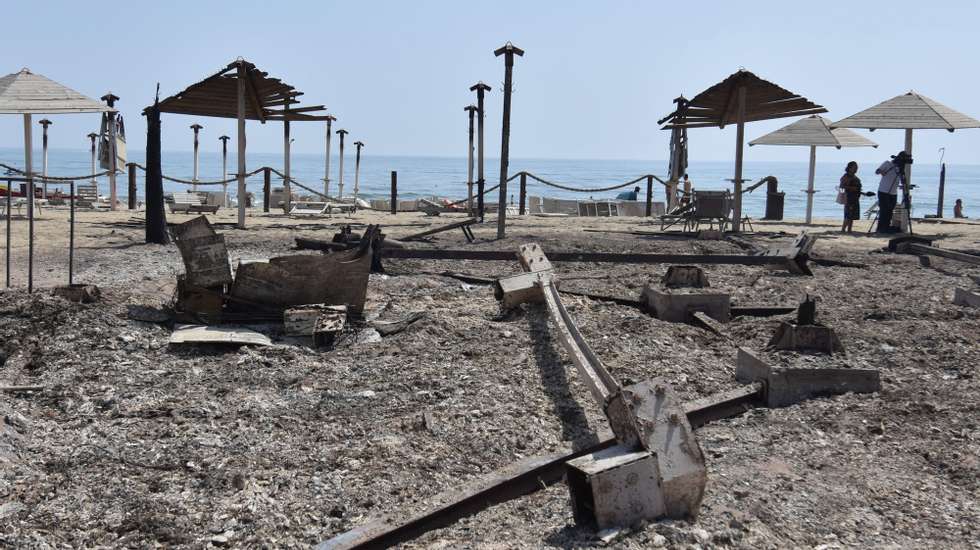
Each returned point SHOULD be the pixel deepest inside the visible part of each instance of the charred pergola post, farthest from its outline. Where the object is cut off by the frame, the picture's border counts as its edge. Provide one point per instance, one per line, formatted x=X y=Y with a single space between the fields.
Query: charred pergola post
x=224 y=168
x=480 y=88
x=286 y=166
x=197 y=155
x=508 y=50
x=111 y=100
x=340 y=178
x=471 y=109
x=326 y=158
x=357 y=168
x=44 y=156
x=156 y=215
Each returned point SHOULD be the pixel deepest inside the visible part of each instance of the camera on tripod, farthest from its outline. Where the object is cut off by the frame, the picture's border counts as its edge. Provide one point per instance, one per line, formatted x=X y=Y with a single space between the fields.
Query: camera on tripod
x=902 y=159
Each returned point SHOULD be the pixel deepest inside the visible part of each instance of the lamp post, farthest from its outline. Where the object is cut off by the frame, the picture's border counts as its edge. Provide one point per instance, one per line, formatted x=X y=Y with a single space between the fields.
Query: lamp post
x=480 y=88
x=111 y=100
x=224 y=168
x=197 y=128
x=44 y=156
x=357 y=168
x=340 y=179
x=471 y=110
x=326 y=161
x=508 y=50
x=91 y=138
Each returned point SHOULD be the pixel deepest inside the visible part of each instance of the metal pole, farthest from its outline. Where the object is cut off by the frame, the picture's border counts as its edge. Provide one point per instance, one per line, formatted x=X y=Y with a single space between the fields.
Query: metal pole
x=266 y=188
x=241 y=143
x=326 y=160
x=197 y=149
x=523 y=204
x=357 y=168
x=224 y=168
x=29 y=172
x=340 y=179
x=508 y=51
x=394 y=192
x=469 y=162
x=809 y=185
x=481 y=181
x=740 y=138
x=942 y=190
x=649 y=196
x=132 y=185
x=44 y=157
x=91 y=138
x=907 y=192
x=71 y=225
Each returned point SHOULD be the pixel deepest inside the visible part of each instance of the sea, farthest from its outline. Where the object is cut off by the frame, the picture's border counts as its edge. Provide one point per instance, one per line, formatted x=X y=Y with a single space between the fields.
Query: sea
x=446 y=177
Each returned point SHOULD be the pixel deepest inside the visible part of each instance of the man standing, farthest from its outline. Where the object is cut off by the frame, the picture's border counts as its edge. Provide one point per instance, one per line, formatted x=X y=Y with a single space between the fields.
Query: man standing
x=686 y=198
x=887 y=194
x=629 y=195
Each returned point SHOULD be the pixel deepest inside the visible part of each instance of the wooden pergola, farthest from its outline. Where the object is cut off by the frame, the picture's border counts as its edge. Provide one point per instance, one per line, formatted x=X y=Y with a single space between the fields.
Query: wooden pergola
x=242 y=91
x=740 y=98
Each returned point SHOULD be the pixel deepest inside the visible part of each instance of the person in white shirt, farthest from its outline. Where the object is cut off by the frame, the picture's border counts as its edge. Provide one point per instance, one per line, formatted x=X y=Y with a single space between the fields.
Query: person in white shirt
x=887 y=194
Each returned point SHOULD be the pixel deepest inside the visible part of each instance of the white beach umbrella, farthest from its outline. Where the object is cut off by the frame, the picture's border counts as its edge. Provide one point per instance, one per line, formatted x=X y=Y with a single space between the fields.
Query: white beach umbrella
x=813 y=131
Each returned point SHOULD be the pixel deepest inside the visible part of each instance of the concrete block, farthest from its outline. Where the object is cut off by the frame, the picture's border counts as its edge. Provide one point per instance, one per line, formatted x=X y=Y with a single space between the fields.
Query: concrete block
x=518 y=289
x=685 y=276
x=677 y=307
x=656 y=415
x=615 y=488
x=788 y=386
x=963 y=297
x=806 y=338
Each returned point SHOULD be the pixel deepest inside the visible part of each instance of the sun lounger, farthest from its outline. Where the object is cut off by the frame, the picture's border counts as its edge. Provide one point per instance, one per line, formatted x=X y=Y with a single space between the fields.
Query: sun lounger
x=304 y=208
x=191 y=203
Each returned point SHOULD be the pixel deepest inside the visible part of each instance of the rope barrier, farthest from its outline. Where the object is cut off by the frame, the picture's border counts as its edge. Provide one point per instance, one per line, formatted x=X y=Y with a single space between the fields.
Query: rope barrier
x=41 y=178
x=584 y=190
x=199 y=182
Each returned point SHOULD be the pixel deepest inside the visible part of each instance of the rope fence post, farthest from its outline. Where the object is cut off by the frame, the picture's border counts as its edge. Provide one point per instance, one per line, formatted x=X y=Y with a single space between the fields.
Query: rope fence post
x=266 y=187
x=523 y=205
x=394 y=192
x=649 y=196
x=132 y=186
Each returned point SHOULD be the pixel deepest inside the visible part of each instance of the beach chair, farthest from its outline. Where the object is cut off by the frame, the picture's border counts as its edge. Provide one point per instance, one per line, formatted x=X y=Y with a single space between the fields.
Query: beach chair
x=191 y=203
x=309 y=208
x=88 y=195
x=711 y=207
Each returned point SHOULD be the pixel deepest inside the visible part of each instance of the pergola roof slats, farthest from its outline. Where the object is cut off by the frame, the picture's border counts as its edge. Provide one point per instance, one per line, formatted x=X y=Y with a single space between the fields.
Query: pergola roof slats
x=217 y=96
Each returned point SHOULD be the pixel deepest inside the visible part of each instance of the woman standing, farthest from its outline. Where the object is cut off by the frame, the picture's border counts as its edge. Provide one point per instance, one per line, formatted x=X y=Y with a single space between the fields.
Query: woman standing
x=850 y=184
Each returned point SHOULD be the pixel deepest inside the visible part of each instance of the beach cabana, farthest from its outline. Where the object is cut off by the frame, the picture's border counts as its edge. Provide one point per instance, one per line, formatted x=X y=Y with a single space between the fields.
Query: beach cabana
x=240 y=91
x=26 y=93
x=740 y=98
x=813 y=131
x=910 y=111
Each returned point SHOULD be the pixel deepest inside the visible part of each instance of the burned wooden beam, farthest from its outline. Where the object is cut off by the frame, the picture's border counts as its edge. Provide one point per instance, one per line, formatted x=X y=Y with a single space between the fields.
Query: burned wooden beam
x=519 y=479
x=916 y=248
x=464 y=225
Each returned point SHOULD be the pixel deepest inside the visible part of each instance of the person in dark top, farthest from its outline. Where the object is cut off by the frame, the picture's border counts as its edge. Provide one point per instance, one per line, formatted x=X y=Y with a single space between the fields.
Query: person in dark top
x=629 y=195
x=958 y=209
x=850 y=184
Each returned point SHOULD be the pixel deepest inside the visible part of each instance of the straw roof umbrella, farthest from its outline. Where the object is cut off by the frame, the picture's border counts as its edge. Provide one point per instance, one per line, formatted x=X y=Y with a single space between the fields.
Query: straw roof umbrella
x=911 y=111
x=740 y=98
x=26 y=93
x=813 y=131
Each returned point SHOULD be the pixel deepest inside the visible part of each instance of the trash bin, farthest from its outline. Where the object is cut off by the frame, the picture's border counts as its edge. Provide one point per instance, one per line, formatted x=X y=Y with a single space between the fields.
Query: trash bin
x=774 y=206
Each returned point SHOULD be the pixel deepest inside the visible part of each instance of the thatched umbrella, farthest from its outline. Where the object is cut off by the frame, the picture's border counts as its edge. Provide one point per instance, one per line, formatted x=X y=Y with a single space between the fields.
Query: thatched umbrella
x=26 y=93
x=813 y=131
x=740 y=98
x=911 y=111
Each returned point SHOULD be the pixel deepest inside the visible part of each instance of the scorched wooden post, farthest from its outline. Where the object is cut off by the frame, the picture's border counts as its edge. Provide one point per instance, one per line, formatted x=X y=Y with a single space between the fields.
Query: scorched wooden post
x=508 y=50
x=480 y=88
x=240 y=80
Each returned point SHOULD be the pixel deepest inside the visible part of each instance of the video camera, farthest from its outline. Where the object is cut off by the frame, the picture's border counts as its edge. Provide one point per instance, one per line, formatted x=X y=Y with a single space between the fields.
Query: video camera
x=902 y=159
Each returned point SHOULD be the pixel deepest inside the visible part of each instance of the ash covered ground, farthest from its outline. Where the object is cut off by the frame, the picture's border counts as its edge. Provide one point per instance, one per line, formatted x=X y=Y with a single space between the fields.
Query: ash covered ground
x=135 y=443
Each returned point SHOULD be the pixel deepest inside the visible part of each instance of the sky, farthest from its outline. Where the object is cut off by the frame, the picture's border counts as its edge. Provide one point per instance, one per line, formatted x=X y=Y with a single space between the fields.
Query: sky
x=595 y=78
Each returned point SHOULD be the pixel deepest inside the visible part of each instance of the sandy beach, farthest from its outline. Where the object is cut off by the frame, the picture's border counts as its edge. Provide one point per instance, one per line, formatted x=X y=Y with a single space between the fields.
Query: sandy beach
x=134 y=442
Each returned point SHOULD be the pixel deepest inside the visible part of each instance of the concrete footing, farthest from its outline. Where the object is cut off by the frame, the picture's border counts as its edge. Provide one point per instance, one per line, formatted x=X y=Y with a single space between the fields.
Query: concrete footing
x=685 y=276
x=677 y=306
x=806 y=338
x=963 y=297
x=787 y=386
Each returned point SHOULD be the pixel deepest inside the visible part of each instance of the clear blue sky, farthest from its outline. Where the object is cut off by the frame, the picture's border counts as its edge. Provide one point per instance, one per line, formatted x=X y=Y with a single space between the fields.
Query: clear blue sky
x=596 y=76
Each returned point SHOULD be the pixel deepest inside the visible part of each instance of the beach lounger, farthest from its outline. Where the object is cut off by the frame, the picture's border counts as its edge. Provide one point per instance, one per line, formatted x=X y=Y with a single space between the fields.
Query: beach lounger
x=305 y=208
x=191 y=203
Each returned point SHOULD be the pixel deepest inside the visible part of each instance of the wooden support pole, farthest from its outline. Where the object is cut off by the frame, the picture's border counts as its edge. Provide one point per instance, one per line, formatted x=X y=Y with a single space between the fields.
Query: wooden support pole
x=942 y=190
x=156 y=214
x=287 y=185
x=241 y=76
x=10 y=188
x=480 y=88
x=907 y=192
x=649 y=196
x=394 y=192
x=266 y=188
x=523 y=203
x=809 y=184
x=508 y=51
x=739 y=150
x=131 y=190
x=71 y=220
x=29 y=173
